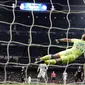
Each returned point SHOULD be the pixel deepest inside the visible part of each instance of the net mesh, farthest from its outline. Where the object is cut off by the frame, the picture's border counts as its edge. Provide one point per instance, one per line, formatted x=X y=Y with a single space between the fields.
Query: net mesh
x=15 y=28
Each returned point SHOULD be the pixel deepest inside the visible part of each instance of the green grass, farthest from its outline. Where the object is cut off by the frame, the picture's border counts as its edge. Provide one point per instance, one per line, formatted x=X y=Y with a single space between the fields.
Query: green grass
x=41 y=84
x=23 y=84
x=30 y=84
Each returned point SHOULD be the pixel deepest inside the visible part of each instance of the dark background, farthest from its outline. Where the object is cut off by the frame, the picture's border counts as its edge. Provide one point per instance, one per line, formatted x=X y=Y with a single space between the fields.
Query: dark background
x=21 y=29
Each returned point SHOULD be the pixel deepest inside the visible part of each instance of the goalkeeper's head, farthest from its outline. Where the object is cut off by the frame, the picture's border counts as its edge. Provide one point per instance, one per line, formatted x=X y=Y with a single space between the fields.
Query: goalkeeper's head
x=83 y=37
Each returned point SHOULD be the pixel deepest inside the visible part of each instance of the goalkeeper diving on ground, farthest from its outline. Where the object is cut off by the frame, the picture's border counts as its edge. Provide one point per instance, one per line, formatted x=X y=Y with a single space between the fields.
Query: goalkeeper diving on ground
x=66 y=56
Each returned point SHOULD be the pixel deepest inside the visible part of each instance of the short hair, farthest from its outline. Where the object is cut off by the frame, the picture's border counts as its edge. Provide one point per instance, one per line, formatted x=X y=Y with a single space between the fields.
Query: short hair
x=83 y=37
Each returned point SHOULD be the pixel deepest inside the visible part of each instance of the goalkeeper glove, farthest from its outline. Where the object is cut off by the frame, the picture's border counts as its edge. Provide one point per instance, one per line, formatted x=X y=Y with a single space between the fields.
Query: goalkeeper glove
x=57 y=40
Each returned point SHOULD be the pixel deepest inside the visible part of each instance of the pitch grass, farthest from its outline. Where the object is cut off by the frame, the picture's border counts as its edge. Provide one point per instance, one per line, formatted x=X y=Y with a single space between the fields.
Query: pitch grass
x=42 y=84
x=31 y=84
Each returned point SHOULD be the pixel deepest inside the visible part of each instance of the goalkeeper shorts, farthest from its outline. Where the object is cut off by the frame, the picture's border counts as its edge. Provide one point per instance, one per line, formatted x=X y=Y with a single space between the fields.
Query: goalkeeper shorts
x=67 y=56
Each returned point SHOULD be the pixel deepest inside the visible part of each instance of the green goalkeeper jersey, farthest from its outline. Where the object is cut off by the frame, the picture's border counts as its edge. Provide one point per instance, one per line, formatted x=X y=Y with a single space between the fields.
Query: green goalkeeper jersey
x=78 y=46
x=71 y=54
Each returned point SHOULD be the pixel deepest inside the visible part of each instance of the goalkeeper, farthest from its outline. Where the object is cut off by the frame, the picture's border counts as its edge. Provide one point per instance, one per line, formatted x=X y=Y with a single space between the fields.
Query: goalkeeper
x=66 y=56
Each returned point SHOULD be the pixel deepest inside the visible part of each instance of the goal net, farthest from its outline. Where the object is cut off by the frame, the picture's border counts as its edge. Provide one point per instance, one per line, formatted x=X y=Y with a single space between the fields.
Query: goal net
x=31 y=33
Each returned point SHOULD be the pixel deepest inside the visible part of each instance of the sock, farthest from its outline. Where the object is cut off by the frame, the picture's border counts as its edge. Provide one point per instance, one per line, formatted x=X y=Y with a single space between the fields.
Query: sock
x=47 y=57
x=52 y=61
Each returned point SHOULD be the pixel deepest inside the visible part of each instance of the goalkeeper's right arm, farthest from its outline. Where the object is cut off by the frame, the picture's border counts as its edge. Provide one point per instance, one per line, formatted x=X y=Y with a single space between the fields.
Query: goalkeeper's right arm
x=63 y=40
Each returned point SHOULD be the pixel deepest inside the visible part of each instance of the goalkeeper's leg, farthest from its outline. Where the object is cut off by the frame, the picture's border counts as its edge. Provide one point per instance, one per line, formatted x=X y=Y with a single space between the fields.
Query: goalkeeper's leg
x=53 y=61
x=47 y=57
